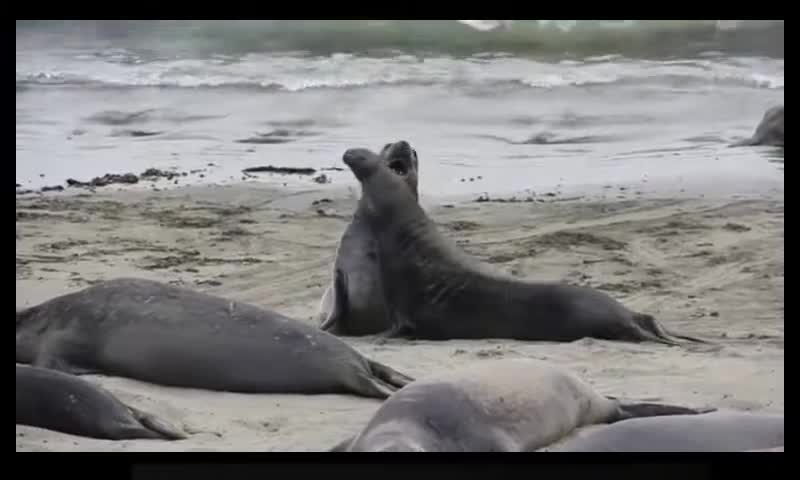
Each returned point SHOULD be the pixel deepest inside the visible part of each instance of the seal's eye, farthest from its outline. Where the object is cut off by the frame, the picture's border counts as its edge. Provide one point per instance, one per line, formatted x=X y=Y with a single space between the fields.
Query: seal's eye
x=414 y=152
x=399 y=167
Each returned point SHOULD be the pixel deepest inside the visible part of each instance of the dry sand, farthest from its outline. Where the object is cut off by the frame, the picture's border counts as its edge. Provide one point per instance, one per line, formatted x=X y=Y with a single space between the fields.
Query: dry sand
x=709 y=268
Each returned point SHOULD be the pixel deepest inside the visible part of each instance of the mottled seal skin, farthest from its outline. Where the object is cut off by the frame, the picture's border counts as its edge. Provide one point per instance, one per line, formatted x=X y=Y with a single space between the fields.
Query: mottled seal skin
x=769 y=131
x=174 y=336
x=436 y=291
x=68 y=404
x=492 y=406
x=354 y=303
x=710 y=432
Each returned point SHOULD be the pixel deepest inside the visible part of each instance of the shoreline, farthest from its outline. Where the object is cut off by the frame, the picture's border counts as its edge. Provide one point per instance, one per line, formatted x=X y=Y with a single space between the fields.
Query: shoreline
x=711 y=267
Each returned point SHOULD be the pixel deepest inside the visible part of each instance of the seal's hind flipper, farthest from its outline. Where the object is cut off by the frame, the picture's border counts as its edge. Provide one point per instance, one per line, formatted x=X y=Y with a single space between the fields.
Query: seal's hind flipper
x=156 y=425
x=637 y=410
x=343 y=445
x=653 y=331
x=389 y=375
x=379 y=381
x=371 y=386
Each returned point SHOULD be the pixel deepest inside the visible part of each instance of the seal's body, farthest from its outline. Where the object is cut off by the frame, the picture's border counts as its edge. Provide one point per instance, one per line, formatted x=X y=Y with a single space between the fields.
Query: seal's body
x=501 y=405
x=709 y=432
x=769 y=131
x=68 y=404
x=174 y=336
x=354 y=303
x=436 y=291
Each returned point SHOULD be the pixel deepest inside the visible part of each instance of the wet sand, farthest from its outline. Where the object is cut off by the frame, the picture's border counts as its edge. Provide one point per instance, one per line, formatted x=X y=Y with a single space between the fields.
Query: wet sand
x=712 y=268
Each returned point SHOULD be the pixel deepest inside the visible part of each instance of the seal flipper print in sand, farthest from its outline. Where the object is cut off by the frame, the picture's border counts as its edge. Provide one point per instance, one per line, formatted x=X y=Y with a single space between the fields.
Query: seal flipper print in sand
x=436 y=291
x=179 y=337
x=68 y=404
x=493 y=406
x=354 y=304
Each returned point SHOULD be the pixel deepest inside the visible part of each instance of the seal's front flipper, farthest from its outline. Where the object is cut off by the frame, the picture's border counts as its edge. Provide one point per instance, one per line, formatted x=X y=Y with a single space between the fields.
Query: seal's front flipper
x=334 y=303
x=400 y=328
x=156 y=425
x=637 y=410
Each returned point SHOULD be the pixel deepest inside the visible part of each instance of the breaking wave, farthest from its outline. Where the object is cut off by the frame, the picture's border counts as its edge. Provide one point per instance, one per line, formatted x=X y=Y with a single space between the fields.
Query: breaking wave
x=297 y=73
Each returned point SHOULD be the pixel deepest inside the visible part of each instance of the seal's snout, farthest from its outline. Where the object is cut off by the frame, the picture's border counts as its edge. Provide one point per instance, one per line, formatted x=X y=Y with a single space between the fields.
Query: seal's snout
x=353 y=156
x=360 y=160
x=401 y=148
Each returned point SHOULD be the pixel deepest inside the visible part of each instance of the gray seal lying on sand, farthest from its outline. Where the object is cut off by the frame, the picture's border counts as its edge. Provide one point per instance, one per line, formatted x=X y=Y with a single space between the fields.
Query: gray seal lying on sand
x=66 y=403
x=174 y=336
x=710 y=432
x=492 y=406
x=769 y=131
x=354 y=304
x=436 y=291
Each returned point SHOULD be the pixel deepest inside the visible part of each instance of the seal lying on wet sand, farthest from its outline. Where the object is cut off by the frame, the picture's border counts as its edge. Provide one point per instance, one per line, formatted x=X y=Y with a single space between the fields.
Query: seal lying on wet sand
x=436 y=291
x=492 y=406
x=174 y=336
x=354 y=304
x=769 y=131
x=710 y=432
x=66 y=403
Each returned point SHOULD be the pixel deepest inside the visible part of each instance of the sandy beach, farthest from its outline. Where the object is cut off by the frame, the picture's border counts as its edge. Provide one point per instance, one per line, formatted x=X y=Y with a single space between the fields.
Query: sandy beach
x=707 y=267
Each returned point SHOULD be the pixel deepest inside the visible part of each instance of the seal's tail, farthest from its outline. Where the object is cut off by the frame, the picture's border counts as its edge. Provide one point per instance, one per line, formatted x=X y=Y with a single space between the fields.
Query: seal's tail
x=651 y=330
x=637 y=410
x=156 y=425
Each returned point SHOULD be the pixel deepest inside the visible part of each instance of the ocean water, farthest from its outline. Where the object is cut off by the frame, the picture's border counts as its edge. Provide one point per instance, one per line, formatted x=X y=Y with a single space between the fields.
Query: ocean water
x=493 y=107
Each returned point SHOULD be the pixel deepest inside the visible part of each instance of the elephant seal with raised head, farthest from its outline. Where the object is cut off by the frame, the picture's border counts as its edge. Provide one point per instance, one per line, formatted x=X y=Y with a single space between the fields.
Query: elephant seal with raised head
x=175 y=336
x=65 y=403
x=354 y=304
x=436 y=291
x=711 y=432
x=493 y=406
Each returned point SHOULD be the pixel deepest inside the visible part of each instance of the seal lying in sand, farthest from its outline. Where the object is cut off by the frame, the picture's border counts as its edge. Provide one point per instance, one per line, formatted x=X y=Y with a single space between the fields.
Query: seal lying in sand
x=65 y=403
x=174 y=336
x=435 y=291
x=354 y=303
x=492 y=406
x=710 y=432
x=769 y=131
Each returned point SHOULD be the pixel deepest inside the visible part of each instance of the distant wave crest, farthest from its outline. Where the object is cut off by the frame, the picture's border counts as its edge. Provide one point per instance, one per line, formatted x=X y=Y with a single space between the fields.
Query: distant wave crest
x=644 y=38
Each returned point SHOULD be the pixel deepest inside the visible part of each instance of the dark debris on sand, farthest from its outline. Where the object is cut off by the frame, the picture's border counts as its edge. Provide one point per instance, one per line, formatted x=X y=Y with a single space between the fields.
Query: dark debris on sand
x=281 y=170
x=155 y=173
x=484 y=198
x=107 y=179
x=151 y=174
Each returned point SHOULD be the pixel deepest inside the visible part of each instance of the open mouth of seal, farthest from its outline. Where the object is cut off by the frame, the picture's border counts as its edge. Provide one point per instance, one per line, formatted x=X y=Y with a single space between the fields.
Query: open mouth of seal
x=399 y=167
